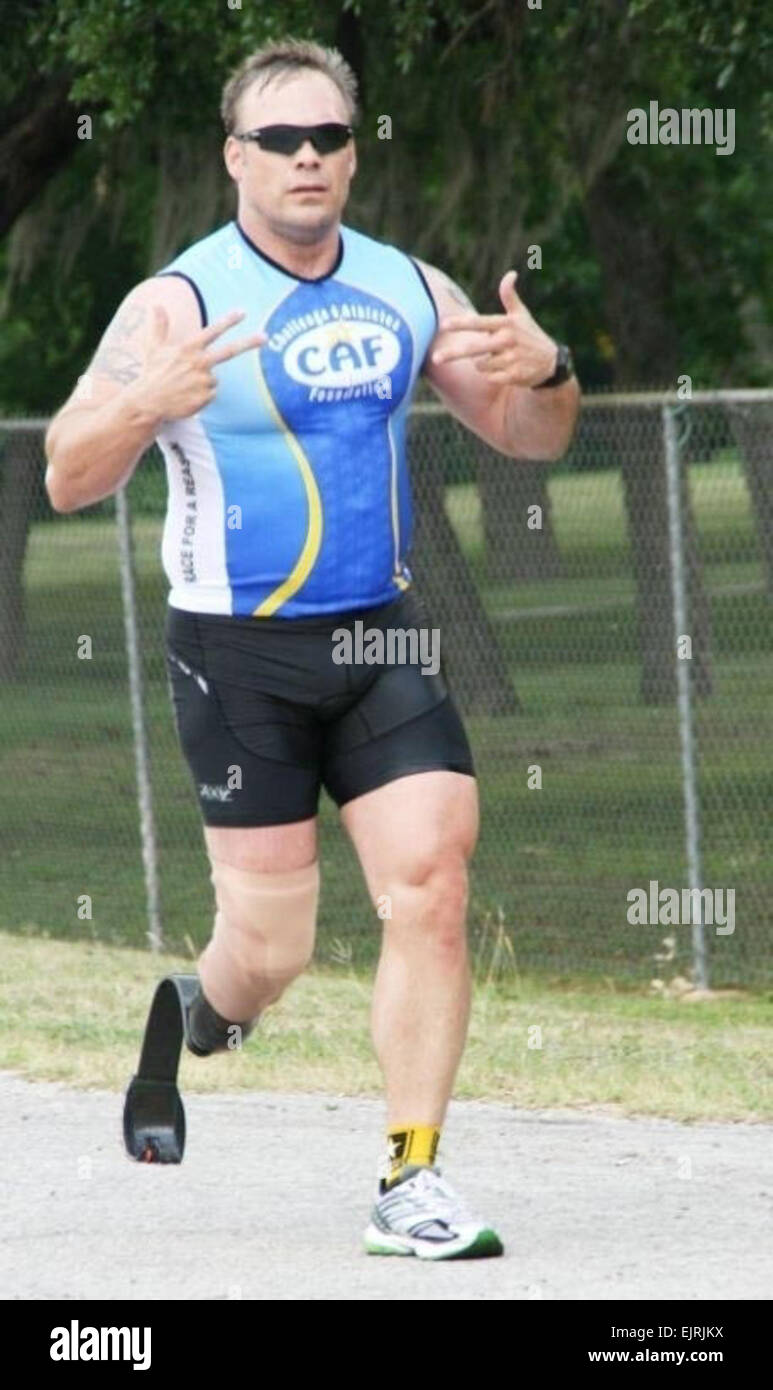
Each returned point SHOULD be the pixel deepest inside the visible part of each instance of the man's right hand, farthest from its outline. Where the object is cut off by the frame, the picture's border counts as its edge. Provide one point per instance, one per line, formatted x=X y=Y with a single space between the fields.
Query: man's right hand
x=178 y=379
x=154 y=363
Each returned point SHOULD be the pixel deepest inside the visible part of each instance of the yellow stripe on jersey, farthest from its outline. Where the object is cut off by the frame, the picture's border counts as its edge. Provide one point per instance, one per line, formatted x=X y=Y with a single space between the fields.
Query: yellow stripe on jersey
x=311 y=546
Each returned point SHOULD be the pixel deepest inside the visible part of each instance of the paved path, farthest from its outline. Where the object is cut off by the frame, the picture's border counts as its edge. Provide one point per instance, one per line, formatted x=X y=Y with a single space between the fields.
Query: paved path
x=266 y=1206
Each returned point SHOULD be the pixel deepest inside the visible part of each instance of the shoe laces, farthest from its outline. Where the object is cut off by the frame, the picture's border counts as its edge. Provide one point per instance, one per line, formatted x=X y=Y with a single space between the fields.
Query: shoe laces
x=445 y=1202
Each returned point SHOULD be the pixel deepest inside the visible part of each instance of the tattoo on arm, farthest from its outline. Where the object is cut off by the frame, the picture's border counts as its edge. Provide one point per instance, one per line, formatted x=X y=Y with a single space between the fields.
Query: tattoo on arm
x=117 y=364
x=115 y=358
x=128 y=321
x=455 y=291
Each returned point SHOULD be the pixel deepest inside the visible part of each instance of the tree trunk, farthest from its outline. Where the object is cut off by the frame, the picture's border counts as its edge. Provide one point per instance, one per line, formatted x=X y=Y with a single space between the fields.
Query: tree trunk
x=471 y=656
x=752 y=427
x=635 y=261
x=516 y=547
x=20 y=467
x=40 y=135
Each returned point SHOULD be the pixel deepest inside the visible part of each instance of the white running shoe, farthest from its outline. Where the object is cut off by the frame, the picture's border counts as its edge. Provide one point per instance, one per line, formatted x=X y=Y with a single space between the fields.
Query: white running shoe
x=422 y=1215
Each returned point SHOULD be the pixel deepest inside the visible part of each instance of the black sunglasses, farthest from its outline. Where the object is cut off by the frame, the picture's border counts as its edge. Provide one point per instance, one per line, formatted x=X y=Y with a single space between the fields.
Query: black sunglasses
x=287 y=139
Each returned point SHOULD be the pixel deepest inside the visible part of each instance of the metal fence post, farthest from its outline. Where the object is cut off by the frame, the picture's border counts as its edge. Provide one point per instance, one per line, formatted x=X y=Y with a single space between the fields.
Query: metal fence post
x=141 y=758
x=684 y=692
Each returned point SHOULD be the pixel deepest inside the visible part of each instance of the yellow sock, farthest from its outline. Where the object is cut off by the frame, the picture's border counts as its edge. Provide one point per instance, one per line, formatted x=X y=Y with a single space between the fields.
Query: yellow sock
x=410 y=1144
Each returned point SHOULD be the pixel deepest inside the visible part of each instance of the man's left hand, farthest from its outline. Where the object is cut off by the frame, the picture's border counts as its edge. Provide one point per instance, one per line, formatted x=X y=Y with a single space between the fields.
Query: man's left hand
x=512 y=348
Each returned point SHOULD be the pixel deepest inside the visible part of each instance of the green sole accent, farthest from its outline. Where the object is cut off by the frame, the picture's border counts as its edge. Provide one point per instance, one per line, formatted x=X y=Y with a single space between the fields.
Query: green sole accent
x=486 y=1243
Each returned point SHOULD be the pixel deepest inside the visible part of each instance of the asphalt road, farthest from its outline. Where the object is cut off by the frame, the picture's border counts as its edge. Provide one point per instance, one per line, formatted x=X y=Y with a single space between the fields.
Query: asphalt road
x=274 y=1192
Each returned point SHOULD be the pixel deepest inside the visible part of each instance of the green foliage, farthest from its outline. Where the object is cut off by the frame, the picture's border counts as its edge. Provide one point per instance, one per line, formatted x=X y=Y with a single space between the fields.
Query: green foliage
x=57 y=310
x=504 y=119
x=179 y=51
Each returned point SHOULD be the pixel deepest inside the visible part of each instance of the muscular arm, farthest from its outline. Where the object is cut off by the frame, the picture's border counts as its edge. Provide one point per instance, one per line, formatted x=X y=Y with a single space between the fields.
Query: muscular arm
x=516 y=420
x=95 y=441
x=539 y=424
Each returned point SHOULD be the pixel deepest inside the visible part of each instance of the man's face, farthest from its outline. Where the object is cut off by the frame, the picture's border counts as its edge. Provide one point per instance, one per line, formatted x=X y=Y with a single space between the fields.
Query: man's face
x=299 y=195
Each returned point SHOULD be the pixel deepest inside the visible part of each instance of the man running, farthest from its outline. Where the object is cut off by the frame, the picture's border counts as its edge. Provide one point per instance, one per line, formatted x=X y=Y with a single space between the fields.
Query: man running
x=289 y=521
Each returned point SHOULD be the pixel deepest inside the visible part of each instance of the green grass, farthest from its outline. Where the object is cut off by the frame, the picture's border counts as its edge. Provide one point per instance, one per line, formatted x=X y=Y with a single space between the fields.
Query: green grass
x=589 y=523
x=554 y=866
x=75 y=1013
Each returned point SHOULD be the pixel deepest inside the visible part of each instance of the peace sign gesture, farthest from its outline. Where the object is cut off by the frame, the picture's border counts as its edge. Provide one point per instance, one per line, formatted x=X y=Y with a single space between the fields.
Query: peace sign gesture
x=177 y=379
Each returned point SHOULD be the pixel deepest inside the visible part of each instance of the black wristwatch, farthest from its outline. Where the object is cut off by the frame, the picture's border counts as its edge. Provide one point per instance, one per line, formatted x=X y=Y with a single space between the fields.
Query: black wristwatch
x=564 y=369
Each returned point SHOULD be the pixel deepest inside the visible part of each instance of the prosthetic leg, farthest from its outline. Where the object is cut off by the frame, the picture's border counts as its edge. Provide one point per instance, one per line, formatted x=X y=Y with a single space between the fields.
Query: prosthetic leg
x=263 y=938
x=153 y=1116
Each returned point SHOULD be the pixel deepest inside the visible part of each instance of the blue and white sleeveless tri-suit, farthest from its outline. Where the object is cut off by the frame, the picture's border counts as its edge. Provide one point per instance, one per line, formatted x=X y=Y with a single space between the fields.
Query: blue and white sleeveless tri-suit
x=289 y=494
x=289 y=514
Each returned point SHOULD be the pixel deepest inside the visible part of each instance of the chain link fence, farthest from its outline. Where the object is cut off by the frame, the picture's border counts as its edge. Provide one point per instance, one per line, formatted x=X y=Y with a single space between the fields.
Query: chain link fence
x=606 y=627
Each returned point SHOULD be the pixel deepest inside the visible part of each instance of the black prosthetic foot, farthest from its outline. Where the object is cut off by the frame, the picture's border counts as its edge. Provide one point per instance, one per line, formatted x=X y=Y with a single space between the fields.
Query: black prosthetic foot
x=153 y=1116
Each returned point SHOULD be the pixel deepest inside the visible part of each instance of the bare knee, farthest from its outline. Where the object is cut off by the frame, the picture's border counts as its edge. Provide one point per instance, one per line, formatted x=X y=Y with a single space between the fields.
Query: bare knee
x=429 y=904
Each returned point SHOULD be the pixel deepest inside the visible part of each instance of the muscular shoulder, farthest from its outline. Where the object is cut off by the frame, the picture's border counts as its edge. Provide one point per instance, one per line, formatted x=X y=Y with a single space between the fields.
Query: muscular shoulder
x=449 y=297
x=174 y=294
x=120 y=356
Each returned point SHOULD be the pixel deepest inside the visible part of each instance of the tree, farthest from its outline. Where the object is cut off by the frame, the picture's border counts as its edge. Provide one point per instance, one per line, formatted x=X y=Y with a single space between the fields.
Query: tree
x=472 y=657
x=637 y=270
x=20 y=467
x=517 y=518
x=753 y=431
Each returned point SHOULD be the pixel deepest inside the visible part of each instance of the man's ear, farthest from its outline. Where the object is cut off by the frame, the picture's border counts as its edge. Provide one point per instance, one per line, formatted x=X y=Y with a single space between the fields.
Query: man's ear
x=233 y=157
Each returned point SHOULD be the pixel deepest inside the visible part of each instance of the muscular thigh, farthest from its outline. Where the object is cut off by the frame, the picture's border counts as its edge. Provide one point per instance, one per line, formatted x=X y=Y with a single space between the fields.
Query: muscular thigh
x=406 y=829
x=264 y=848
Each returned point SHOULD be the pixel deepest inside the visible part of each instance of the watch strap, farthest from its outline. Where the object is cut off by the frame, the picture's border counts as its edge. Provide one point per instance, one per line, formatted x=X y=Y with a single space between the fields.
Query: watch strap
x=564 y=369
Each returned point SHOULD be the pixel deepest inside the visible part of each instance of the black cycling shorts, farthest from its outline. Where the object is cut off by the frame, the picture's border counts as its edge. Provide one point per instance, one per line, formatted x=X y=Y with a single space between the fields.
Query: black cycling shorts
x=266 y=715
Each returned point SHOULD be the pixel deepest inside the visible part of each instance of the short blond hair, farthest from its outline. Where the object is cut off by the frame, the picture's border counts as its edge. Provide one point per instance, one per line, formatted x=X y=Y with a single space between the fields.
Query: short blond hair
x=281 y=58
